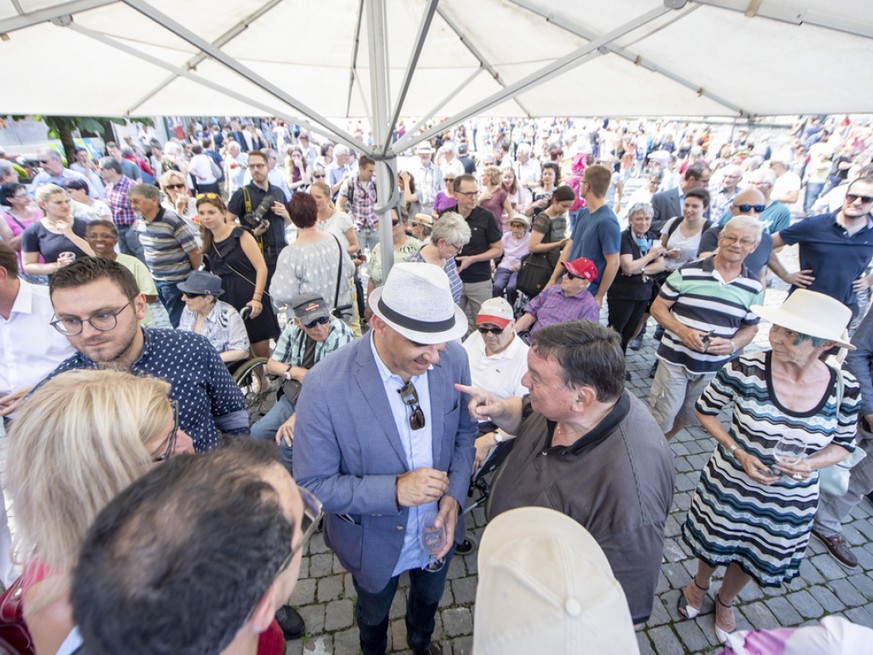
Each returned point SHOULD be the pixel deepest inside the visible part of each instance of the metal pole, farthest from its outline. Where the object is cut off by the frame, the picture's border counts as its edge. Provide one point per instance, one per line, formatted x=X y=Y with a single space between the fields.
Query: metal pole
x=385 y=180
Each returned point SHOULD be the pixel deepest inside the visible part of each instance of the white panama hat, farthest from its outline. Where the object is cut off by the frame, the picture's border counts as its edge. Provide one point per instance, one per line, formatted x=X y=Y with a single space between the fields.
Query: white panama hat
x=545 y=586
x=416 y=302
x=812 y=313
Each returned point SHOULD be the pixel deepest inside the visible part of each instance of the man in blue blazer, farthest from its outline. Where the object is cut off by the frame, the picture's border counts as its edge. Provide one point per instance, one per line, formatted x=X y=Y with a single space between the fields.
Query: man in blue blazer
x=668 y=204
x=386 y=443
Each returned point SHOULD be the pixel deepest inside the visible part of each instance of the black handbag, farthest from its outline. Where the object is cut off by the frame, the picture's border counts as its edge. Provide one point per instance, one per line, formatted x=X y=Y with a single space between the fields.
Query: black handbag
x=534 y=272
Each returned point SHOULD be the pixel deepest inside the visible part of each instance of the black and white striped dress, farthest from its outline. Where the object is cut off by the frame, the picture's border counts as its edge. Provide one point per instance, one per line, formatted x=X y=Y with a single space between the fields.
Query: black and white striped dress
x=732 y=518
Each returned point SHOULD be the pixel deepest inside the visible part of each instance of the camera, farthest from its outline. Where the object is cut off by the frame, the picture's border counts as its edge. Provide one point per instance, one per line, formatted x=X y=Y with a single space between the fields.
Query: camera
x=256 y=218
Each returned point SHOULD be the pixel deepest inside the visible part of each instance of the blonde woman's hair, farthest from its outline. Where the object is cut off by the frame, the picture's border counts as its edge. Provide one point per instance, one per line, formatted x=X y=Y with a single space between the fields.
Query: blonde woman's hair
x=493 y=174
x=77 y=442
x=325 y=189
x=46 y=191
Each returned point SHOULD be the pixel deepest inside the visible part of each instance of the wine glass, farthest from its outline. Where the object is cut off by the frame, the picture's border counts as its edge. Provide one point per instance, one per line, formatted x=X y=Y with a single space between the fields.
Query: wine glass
x=433 y=539
x=790 y=451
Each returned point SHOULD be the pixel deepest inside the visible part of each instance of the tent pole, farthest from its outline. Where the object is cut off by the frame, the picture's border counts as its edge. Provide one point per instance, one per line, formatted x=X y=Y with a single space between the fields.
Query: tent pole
x=353 y=65
x=245 y=72
x=50 y=13
x=381 y=130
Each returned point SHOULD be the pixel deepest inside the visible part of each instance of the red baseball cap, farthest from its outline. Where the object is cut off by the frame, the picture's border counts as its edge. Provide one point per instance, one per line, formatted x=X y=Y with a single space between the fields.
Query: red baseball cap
x=582 y=267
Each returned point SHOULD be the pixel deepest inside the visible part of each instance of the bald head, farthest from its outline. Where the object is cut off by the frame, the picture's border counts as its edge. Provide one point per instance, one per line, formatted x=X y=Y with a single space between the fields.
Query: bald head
x=751 y=200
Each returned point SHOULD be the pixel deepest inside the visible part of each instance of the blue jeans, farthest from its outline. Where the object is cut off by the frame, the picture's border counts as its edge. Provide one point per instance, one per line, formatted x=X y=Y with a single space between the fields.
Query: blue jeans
x=371 y=610
x=128 y=242
x=171 y=297
x=813 y=191
x=368 y=239
x=266 y=428
x=505 y=280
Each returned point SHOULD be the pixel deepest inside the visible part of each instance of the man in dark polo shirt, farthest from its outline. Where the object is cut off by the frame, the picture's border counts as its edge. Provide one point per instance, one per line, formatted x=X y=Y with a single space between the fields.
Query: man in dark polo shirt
x=589 y=449
x=245 y=202
x=474 y=260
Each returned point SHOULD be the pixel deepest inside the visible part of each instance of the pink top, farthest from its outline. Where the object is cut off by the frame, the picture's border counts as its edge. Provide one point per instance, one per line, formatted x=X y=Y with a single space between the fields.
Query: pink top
x=18 y=226
x=494 y=204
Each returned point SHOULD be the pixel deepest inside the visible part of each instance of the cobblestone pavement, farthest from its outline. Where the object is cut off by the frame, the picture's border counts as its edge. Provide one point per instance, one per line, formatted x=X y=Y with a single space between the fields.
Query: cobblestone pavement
x=325 y=595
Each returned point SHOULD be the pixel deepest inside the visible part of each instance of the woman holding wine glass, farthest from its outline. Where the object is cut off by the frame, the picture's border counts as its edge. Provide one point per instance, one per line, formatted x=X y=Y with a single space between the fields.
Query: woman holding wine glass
x=791 y=415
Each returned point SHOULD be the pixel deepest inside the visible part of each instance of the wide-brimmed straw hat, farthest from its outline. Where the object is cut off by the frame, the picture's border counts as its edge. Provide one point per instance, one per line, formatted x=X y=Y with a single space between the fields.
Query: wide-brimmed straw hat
x=545 y=586
x=812 y=313
x=416 y=302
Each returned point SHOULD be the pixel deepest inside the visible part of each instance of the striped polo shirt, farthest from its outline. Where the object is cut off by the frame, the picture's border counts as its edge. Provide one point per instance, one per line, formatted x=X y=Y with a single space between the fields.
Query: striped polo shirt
x=166 y=242
x=704 y=301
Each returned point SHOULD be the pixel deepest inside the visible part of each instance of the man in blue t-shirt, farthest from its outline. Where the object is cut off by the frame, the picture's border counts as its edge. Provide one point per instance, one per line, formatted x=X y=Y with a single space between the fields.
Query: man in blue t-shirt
x=835 y=248
x=597 y=235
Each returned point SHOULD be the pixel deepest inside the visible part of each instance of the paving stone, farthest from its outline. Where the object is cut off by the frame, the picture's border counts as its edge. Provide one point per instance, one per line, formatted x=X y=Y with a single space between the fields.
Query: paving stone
x=464 y=590
x=828 y=566
x=304 y=592
x=304 y=568
x=691 y=635
x=339 y=614
x=347 y=641
x=330 y=588
x=847 y=593
x=397 y=635
x=644 y=643
x=462 y=646
x=805 y=604
x=294 y=647
x=349 y=590
x=321 y=565
x=457 y=621
x=862 y=615
x=758 y=615
x=665 y=641
x=751 y=592
x=863 y=583
x=784 y=611
x=337 y=567
x=827 y=599
x=811 y=574
x=398 y=607
x=313 y=617
x=448 y=598
x=659 y=614
x=321 y=645
x=317 y=545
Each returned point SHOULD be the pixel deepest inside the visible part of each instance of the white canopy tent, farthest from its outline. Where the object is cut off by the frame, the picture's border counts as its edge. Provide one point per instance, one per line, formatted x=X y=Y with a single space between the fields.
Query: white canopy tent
x=434 y=62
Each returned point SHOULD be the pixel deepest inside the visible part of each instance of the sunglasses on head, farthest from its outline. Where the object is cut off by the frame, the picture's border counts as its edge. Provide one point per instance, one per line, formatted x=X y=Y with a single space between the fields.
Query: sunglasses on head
x=853 y=197
x=744 y=208
x=208 y=196
x=486 y=330
x=321 y=320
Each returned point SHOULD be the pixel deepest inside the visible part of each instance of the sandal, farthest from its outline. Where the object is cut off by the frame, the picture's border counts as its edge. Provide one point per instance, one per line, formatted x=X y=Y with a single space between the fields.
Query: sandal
x=727 y=612
x=684 y=607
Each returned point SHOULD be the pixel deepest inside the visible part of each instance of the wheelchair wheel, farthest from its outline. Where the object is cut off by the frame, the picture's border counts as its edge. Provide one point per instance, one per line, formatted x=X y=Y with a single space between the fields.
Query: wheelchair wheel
x=247 y=380
x=468 y=546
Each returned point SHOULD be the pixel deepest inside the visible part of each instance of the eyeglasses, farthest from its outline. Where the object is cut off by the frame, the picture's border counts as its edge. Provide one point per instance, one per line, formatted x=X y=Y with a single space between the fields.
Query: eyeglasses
x=744 y=208
x=257 y=165
x=318 y=176
x=43 y=161
x=409 y=396
x=171 y=438
x=103 y=321
x=175 y=186
x=208 y=196
x=469 y=194
x=729 y=239
x=571 y=276
x=852 y=197
x=321 y=320
x=484 y=330
x=313 y=511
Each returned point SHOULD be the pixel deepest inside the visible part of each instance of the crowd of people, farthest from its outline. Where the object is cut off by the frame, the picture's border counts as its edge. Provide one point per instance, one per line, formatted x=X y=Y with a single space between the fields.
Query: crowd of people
x=528 y=259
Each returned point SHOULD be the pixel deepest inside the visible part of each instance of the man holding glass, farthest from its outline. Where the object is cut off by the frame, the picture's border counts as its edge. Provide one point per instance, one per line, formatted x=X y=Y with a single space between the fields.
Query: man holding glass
x=386 y=443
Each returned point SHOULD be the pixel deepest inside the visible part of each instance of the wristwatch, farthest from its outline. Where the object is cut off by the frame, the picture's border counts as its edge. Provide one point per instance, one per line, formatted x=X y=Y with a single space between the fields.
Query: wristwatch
x=498 y=437
x=288 y=372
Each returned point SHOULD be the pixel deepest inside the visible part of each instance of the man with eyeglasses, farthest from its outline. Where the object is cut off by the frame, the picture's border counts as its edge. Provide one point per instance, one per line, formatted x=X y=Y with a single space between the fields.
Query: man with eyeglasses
x=386 y=443
x=835 y=248
x=98 y=306
x=568 y=300
x=260 y=198
x=750 y=202
x=705 y=310
x=721 y=200
x=307 y=339
x=160 y=572
x=485 y=244
x=53 y=171
x=498 y=362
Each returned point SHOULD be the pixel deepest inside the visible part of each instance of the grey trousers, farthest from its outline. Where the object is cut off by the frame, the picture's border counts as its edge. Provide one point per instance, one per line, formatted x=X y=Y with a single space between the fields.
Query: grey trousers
x=832 y=510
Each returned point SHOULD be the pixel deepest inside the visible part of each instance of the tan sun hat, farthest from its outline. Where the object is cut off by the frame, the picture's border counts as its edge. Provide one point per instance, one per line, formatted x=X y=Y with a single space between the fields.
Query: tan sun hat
x=812 y=313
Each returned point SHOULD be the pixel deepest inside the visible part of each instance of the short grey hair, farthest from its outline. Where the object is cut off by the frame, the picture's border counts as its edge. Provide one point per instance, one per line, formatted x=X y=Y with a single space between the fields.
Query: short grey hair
x=451 y=228
x=745 y=223
x=6 y=168
x=523 y=148
x=641 y=207
x=765 y=175
x=113 y=163
x=147 y=191
x=51 y=152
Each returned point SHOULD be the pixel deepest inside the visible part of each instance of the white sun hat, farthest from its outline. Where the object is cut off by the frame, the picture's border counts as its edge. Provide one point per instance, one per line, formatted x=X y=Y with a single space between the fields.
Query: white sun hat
x=812 y=313
x=416 y=301
x=545 y=586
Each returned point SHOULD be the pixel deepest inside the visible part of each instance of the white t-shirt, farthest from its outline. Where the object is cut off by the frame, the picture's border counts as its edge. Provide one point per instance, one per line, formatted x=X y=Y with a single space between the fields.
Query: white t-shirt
x=688 y=246
x=201 y=168
x=499 y=374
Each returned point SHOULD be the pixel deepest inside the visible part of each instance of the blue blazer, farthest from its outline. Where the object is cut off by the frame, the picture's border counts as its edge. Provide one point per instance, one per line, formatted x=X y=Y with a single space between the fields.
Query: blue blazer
x=666 y=205
x=347 y=451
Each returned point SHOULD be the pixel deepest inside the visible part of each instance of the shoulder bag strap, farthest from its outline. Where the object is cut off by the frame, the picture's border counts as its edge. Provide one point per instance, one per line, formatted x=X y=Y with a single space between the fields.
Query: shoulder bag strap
x=339 y=272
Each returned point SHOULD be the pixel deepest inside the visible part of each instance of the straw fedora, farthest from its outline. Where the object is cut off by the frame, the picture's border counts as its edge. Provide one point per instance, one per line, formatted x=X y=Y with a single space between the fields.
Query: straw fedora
x=812 y=313
x=416 y=302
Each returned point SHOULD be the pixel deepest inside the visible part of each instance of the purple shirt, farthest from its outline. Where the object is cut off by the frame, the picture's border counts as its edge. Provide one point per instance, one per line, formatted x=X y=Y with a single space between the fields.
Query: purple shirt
x=514 y=250
x=552 y=306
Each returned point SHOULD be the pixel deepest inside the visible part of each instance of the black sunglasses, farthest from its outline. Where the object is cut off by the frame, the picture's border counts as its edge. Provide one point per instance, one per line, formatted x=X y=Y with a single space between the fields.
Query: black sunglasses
x=495 y=330
x=318 y=176
x=758 y=208
x=409 y=396
x=321 y=320
x=174 y=186
x=852 y=197
x=571 y=276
